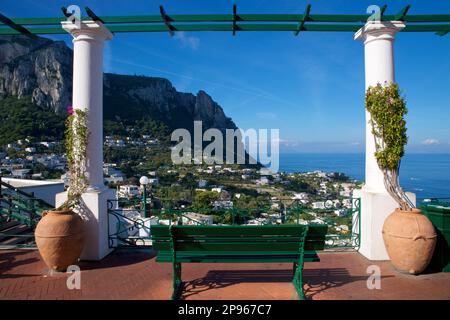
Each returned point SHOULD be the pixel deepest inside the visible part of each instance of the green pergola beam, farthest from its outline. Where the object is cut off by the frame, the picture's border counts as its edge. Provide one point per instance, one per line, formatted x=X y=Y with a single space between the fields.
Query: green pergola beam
x=230 y=22
x=17 y=27
x=428 y=28
x=344 y=18
x=229 y=27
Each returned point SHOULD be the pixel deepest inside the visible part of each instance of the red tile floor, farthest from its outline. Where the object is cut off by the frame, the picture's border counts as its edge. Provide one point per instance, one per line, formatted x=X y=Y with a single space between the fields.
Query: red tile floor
x=134 y=274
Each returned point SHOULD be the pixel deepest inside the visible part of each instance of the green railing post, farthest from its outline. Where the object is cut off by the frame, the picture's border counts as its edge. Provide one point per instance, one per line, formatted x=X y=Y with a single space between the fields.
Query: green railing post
x=32 y=208
x=144 y=201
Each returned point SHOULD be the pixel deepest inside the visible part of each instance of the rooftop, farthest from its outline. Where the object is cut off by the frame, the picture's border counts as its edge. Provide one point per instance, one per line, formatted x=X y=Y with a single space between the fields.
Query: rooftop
x=134 y=274
x=21 y=183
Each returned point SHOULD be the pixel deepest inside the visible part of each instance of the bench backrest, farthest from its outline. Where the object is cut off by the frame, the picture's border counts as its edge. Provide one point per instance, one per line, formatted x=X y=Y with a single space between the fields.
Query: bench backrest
x=264 y=239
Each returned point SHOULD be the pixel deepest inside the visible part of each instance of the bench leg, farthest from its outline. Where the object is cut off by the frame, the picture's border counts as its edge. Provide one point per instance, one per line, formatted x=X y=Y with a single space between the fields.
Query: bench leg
x=298 y=280
x=176 y=281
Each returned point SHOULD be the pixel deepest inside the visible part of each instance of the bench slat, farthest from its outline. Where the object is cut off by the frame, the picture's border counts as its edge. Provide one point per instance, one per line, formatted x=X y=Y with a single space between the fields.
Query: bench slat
x=237 y=258
x=315 y=239
x=237 y=246
x=229 y=231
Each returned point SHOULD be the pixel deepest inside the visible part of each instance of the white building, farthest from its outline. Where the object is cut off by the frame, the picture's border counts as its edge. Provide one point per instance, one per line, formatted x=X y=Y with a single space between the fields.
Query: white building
x=193 y=218
x=256 y=222
x=341 y=212
x=223 y=204
x=262 y=181
x=300 y=196
x=128 y=191
x=20 y=173
x=217 y=189
x=318 y=205
x=115 y=178
x=42 y=189
x=47 y=144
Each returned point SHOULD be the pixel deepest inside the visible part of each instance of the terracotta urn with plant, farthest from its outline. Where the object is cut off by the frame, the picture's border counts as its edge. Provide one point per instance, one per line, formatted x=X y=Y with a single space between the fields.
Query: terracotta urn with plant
x=409 y=237
x=60 y=234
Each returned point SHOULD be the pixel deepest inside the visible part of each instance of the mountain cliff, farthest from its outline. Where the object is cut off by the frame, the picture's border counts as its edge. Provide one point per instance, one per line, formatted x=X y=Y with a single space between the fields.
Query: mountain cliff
x=41 y=71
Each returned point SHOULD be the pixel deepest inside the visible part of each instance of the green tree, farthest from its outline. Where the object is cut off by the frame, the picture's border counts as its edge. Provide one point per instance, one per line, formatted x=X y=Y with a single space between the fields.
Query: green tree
x=203 y=200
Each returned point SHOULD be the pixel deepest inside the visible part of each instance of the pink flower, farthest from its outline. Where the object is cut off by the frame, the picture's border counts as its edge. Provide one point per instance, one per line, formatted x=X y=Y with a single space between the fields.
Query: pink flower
x=70 y=110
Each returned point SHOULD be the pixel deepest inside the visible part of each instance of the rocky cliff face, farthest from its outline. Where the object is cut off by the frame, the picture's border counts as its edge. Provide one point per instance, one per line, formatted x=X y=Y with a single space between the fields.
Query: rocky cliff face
x=158 y=99
x=42 y=69
x=37 y=68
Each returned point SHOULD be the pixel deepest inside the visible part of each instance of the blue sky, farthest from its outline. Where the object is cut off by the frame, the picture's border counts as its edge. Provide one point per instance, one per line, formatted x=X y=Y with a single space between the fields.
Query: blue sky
x=311 y=87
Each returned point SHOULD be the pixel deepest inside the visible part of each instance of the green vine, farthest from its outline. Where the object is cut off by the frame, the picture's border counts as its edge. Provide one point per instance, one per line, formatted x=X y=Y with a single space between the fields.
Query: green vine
x=387 y=110
x=77 y=135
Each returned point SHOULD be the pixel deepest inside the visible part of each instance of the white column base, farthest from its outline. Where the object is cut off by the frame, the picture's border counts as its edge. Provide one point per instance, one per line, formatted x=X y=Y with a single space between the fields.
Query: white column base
x=95 y=216
x=375 y=207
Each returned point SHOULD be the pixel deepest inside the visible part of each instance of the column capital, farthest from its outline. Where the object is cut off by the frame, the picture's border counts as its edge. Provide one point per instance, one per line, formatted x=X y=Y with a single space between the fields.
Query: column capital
x=87 y=30
x=375 y=30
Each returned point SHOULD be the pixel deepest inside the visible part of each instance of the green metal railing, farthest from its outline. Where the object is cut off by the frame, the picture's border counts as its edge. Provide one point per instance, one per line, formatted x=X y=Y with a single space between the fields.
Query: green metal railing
x=19 y=214
x=128 y=226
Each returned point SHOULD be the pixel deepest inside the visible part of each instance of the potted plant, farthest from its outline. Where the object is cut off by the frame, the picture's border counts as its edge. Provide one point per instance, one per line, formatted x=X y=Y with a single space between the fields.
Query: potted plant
x=408 y=235
x=60 y=232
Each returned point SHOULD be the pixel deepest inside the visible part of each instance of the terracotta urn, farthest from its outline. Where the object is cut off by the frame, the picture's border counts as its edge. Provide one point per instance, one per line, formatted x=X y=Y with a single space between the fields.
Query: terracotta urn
x=410 y=239
x=60 y=238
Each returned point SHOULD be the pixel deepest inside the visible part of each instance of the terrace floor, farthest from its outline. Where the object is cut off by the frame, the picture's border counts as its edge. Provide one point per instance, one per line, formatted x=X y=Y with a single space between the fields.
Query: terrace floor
x=134 y=274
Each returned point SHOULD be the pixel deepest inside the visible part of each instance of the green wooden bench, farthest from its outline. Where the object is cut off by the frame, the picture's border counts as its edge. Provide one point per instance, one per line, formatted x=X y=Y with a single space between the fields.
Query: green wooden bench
x=234 y=244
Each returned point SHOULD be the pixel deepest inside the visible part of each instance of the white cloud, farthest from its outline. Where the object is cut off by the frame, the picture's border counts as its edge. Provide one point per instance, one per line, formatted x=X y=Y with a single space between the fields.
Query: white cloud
x=430 y=142
x=187 y=41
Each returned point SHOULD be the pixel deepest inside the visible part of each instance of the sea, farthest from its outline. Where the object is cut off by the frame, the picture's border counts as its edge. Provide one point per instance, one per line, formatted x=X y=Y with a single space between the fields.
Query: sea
x=427 y=175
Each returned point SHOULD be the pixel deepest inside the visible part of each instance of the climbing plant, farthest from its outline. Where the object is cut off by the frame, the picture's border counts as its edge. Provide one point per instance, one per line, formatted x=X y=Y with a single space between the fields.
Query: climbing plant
x=77 y=135
x=387 y=110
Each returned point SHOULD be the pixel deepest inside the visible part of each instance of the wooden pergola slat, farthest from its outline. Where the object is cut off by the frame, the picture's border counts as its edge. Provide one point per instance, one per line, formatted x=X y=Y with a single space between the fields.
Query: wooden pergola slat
x=167 y=21
x=402 y=14
x=92 y=15
x=234 y=19
x=301 y=24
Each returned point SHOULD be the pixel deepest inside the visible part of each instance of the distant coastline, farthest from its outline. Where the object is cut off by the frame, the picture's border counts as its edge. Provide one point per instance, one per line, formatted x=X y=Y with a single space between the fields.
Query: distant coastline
x=427 y=175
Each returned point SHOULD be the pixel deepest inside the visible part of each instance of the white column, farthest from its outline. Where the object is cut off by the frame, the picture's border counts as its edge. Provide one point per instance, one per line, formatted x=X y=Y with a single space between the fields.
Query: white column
x=88 y=40
x=378 y=40
x=376 y=203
